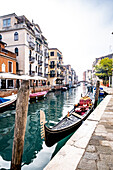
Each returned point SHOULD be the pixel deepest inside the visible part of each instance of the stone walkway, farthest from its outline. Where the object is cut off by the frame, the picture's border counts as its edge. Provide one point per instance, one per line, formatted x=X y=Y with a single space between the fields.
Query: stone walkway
x=91 y=146
x=99 y=152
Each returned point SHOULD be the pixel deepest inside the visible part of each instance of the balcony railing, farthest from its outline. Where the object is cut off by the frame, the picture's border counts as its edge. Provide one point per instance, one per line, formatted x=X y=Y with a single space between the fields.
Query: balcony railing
x=38 y=36
x=45 y=75
x=39 y=51
x=39 y=73
x=46 y=65
x=31 y=45
x=46 y=54
x=40 y=62
x=31 y=59
x=32 y=73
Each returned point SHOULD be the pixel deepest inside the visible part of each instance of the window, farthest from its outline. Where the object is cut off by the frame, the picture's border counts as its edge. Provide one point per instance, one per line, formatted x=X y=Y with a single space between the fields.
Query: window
x=36 y=56
x=0 y=37
x=52 y=62
x=3 y=67
x=16 y=51
x=10 y=66
x=16 y=36
x=7 y=22
x=51 y=53
x=36 y=69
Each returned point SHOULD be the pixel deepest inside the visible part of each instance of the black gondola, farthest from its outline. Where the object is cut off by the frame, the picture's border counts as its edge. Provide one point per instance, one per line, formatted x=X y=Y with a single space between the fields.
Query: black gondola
x=70 y=122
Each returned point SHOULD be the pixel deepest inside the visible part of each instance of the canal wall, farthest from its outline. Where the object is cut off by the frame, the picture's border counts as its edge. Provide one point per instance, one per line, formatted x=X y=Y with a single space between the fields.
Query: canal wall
x=8 y=92
x=78 y=153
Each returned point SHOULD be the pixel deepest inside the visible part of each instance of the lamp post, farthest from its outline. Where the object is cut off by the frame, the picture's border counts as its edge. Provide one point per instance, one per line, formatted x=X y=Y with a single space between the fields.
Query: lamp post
x=112 y=69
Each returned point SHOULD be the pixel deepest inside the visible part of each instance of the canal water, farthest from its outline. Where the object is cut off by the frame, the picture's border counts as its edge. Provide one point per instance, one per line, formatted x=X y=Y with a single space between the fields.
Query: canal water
x=36 y=154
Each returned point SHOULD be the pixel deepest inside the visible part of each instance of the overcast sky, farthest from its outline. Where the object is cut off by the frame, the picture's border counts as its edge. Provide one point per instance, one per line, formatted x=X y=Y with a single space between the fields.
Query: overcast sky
x=80 y=29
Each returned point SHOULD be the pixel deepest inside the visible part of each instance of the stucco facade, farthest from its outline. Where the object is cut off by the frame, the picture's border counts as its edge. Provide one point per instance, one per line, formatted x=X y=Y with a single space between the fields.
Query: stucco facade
x=26 y=40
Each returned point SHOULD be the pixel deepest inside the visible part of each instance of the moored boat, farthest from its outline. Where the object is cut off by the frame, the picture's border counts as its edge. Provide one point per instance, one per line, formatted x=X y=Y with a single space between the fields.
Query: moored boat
x=7 y=101
x=63 y=88
x=101 y=91
x=38 y=95
x=70 y=122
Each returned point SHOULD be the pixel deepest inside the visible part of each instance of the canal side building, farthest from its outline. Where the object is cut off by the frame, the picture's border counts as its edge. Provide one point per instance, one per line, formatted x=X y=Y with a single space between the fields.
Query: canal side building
x=55 y=73
x=7 y=65
x=25 y=38
x=96 y=62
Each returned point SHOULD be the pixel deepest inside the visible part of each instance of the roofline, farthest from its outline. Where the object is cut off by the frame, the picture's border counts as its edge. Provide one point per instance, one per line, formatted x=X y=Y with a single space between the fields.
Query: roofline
x=55 y=49
x=8 y=15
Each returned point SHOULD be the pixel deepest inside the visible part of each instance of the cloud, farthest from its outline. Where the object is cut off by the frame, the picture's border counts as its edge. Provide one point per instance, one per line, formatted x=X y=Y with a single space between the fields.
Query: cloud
x=81 y=29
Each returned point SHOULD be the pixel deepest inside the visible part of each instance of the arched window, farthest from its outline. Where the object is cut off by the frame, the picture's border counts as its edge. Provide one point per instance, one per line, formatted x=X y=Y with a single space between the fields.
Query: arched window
x=16 y=51
x=16 y=36
x=0 y=37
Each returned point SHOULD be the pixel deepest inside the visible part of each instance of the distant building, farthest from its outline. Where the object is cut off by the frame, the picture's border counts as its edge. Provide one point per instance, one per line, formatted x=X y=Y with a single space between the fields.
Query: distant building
x=55 y=65
x=7 y=65
x=89 y=76
x=84 y=76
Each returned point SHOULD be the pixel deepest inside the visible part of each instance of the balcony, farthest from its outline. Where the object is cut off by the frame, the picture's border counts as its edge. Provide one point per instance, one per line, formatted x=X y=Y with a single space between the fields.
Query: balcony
x=32 y=73
x=31 y=59
x=40 y=62
x=31 y=45
x=46 y=75
x=46 y=54
x=52 y=65
x=39 y=51
x=45 y=43
x=45 y=65
x=38 y=37
x=40 y=73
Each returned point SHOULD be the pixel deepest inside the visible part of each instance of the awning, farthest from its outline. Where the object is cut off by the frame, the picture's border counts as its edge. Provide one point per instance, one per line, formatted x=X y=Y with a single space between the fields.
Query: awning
x=9 y=76
x=20 y=77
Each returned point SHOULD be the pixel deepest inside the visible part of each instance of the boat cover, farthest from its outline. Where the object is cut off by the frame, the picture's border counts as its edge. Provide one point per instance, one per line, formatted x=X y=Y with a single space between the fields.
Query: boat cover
x=2 y=100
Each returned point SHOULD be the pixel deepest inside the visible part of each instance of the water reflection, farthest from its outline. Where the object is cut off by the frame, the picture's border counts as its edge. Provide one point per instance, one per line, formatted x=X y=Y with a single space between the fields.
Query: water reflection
x=36 y=155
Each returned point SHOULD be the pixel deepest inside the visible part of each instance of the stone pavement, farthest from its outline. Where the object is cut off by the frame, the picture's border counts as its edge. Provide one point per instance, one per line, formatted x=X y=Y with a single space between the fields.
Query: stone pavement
x=91 y=146
x=99 y=152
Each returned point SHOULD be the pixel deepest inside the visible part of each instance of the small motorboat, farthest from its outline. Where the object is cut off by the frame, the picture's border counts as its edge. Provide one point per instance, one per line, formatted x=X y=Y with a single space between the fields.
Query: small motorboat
x=7 y=101
x=101 y=91
x=38 y=95
x=70 y=122
x=63 y=88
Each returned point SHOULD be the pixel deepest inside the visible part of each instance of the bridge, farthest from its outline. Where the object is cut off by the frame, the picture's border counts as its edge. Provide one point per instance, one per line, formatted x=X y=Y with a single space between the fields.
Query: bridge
x=82 y=81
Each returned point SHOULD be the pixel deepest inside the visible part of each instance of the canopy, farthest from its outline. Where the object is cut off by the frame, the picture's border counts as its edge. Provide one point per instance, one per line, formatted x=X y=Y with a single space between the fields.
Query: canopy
x=20 y=77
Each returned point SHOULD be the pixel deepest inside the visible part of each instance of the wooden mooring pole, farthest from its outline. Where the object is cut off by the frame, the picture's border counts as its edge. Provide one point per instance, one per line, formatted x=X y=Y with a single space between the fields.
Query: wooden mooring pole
x=20 y=125
x=97 y=93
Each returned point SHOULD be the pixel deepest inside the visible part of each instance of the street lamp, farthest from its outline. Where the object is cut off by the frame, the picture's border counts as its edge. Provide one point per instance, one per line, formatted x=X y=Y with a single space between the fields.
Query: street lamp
x=112 y=69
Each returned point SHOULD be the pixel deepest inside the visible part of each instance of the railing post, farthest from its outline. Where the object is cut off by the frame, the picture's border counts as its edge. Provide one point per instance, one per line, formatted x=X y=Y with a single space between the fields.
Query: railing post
x=20 y=125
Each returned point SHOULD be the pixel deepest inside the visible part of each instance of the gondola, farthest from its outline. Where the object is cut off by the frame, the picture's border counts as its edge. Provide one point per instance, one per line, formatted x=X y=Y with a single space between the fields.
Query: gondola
x=70 y=122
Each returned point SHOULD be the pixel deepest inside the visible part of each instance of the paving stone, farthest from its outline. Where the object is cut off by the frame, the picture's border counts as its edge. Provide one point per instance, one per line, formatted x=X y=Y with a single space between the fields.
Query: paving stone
x=91 y=156
x=90 y=148
x=86 y=164
x=104 y=150
x=107 y=158
x=101 y=165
